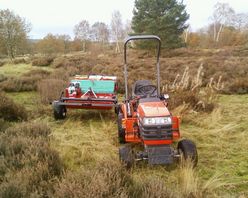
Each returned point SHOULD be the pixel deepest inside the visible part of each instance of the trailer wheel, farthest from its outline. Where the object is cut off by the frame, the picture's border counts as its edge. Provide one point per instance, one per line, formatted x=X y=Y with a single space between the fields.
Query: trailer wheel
x=59 y=111
x=126 y=156
x=121 y=131
x=188 y=150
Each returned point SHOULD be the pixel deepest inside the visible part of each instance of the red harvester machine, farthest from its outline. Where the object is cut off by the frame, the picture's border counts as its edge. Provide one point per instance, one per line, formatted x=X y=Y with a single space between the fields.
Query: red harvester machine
x=87 y=92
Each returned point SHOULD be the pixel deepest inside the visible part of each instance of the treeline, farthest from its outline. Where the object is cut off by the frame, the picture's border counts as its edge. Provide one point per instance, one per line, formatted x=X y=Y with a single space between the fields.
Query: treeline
x=14 y=36
x=227 y=28
x=165 y=18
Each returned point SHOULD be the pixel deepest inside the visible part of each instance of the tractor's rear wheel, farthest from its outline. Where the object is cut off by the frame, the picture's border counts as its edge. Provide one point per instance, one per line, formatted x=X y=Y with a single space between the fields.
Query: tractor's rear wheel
x=188 y=150
x=126 y=155
x=121 y=131
x=59 y=111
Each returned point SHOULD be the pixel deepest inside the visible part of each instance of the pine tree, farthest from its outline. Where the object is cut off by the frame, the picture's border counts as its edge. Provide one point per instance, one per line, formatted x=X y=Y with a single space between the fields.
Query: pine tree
x=165 y=18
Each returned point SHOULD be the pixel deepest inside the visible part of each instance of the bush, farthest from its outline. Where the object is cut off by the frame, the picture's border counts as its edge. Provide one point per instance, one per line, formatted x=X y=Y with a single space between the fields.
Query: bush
x=19 y=84
x=198 y=100
x=29 y=166
x=2 y=63
x=2 y=78
x=11 y=190
x=27 y=82
x=107 y=179
x=62 y=62
x=37 y=73
x=10 y=111
x=34 y=130
x=42 y=61
x=20 y=61
x=239 y=86
x=50 y=89
x=3 y=125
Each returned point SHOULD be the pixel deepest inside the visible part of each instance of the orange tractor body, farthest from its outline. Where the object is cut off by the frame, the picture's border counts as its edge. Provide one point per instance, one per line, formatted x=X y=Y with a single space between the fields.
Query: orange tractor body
x=144 y=119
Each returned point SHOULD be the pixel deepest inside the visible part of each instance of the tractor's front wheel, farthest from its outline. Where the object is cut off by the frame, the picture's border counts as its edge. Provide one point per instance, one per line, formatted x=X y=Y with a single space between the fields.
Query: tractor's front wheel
x=59 y=111
x=126 y=155
x=187 y=150
x=121 y=131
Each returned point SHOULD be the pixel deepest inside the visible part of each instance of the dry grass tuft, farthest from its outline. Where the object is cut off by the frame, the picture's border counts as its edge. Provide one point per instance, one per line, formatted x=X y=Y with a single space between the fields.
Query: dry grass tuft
x=50 y=89
x=187 y=91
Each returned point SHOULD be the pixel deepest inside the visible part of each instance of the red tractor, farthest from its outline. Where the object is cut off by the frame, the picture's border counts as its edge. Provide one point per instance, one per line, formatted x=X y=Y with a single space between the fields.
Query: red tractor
x=87 y=92
x=144 y=120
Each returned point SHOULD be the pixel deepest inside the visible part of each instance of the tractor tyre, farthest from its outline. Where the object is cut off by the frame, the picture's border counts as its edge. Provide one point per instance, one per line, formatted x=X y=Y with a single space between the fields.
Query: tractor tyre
x=59 y=111
x=188 y=150
x=126 y=156
x=121 y=131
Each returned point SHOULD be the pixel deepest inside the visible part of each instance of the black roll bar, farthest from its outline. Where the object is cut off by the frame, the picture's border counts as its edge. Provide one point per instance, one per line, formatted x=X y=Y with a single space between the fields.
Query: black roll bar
x=142 y=37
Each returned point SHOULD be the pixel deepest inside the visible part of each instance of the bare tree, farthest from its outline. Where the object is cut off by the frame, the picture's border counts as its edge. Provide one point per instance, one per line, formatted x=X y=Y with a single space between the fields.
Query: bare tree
x=82 y=32
x=127 y=28
x=117 y=29
x=13 y=32
x=186 y=34
x=100 y=32
x=241 y=21
x=223 y=15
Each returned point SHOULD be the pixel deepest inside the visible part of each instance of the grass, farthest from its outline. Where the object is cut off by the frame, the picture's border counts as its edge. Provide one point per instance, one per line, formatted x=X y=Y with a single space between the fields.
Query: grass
x=29 y=99
x=87 y=142
x=87 y=138
x=222 y=142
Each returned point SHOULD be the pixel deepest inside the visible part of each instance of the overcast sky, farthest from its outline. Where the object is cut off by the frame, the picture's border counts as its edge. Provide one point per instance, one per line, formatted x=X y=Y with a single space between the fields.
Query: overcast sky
x=59 y=17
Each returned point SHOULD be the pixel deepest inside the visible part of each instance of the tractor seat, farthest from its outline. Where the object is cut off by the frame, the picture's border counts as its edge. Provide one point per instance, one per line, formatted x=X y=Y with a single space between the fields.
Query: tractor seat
x=145 y=92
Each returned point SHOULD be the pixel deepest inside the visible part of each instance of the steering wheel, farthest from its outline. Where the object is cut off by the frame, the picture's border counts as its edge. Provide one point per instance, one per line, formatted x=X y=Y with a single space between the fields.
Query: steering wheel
x=147 y=89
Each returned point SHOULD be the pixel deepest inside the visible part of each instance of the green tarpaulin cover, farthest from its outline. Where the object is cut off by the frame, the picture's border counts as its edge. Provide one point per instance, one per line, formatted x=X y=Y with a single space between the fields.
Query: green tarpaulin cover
x=98 y=86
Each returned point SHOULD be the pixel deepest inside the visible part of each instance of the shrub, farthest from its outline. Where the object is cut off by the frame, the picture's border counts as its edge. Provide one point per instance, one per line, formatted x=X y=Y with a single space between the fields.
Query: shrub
x=19 y=84
x=27 y=144
x=62 y=62
x=64 y=74
x=11 y=189
x=50 y=89
x=239 y=86
x=42 y=61
x=2 y=63
x=34 y=130
x=197 y=100
x=30 y=167
x=37 y=73
x=10 y=111
x=3 y=125
x=27 y=82
x=107 y=179
x=20 y=61
x=2 y=78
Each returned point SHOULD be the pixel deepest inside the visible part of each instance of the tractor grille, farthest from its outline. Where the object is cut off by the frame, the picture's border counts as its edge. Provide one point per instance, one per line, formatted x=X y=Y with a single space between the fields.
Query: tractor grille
x=156 y=132
x=160 y=154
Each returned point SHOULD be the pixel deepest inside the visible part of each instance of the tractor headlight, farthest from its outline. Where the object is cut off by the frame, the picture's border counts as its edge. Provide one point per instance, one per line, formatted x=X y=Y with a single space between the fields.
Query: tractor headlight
x=157 y=121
